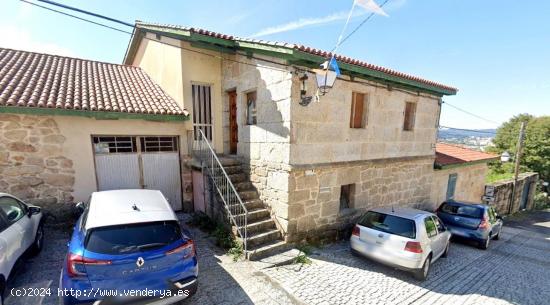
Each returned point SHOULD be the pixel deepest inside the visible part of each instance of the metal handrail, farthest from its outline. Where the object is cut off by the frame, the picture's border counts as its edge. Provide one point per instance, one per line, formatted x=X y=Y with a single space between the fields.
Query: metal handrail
x=230 y=197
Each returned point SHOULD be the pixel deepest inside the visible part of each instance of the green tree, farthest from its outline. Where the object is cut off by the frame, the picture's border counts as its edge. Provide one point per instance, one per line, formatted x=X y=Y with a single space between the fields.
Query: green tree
x=537 y=146
x=507 y=134
x=536 y=150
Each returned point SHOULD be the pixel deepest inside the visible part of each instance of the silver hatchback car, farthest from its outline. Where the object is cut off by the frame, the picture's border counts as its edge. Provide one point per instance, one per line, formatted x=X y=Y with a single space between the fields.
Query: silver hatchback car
x=403 y=238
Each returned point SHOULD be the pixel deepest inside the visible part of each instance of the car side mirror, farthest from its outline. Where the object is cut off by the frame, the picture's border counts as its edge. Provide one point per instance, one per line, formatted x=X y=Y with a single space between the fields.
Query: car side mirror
x=33 y=211
x=80 y=207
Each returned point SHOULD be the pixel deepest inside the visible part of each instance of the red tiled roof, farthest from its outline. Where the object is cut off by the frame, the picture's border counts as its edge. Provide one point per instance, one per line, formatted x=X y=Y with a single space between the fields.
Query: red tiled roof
x=448 y=154
x=29 y=79
x=305 y=49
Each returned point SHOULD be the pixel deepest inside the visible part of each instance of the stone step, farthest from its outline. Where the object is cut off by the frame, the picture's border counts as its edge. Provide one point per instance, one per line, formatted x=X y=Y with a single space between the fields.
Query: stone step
x=244 y=186
x=258 y=252
x=263 y=237
x=239 y=186
x=234 y=169
x=237 y=178
x=260 y=225
x=248 y=195
x=249 y=204
x=229 y=161
x=253 y=215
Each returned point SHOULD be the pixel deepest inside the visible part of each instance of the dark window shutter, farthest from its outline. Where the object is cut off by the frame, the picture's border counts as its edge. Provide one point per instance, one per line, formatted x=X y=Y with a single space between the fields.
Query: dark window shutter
x=410 y=111
x=357 y=109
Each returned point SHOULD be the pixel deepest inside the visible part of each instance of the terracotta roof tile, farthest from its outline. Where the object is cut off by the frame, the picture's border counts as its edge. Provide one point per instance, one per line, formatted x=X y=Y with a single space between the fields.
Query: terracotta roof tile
x=29 y=79
x=448 y=154
x=306 y=49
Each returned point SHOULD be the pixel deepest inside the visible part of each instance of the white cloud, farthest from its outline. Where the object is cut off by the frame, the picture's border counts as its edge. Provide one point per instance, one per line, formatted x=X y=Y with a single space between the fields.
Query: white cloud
x=302 y=23
x=16 y=38
x=316 y=21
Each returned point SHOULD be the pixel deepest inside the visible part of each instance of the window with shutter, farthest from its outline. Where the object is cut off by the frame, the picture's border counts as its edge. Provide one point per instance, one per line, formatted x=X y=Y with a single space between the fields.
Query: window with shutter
x=410 y=112
x=358 y=118
x=251 y=108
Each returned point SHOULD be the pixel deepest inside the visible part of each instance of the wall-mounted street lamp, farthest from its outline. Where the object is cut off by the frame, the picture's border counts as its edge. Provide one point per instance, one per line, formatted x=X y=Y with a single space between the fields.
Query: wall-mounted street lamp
x=325 y=78
x=304 y=99
x=505 y=157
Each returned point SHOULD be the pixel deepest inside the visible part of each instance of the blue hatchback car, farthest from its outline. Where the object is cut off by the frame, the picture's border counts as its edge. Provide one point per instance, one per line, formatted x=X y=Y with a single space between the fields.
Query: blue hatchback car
x=478 y=222
x=128 y=248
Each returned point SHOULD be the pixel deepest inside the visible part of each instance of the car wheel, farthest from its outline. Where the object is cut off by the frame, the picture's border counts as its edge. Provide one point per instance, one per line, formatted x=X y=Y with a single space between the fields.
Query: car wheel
x=422 y=273
x=484 y=244
x=1 y=292
x=446 y=250
x=38 y=240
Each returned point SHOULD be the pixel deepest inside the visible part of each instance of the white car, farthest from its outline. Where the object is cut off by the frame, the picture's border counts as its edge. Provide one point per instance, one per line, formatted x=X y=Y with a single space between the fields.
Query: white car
x=403 y=238
x=21 y=229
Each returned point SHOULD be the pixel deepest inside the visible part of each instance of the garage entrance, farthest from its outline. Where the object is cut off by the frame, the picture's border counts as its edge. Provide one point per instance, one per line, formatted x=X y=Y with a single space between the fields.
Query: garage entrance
x=139 y=162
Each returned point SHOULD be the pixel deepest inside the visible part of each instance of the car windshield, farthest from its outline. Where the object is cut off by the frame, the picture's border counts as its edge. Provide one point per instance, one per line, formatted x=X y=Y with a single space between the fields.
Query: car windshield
x=389 y=224
x=130 y=238
x=462 y=210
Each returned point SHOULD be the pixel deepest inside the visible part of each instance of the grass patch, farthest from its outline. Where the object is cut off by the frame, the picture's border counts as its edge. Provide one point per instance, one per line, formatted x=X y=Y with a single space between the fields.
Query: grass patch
x=224 y=238
x=303 y=256
x=494 y=177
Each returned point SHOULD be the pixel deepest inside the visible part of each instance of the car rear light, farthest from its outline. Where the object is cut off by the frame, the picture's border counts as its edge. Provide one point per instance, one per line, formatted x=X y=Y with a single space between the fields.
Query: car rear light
x=356 y=231
x=413 y=246
x=484 y=224
x=188 y=248
x=75 y=263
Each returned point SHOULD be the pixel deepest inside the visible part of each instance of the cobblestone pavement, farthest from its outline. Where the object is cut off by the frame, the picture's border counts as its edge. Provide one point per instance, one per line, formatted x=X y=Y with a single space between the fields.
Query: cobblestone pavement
x=221 y=281
x=515 y=270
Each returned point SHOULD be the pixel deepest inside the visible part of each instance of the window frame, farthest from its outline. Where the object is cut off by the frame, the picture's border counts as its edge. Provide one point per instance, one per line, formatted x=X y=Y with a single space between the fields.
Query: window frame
x=4 y=223
x=255 y=109
x=429 y=218
x=439 y=223
x=364 y=112
x=410 y=120
x=23 y=207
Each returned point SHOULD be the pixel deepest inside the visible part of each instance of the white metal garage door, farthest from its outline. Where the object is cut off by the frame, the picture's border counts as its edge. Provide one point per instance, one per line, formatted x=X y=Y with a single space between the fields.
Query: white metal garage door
x=134 y=162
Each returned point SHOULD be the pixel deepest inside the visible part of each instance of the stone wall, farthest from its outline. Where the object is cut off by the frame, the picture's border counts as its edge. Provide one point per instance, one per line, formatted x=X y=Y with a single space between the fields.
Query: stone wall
x=264 y=147
x=503 y=193
x=470 y=183
x=314 y=198
x=321 y=131
x=32 y=164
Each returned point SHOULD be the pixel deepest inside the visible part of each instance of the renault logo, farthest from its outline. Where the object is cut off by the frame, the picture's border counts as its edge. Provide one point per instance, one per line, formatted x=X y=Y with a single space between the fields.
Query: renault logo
x=140 y=262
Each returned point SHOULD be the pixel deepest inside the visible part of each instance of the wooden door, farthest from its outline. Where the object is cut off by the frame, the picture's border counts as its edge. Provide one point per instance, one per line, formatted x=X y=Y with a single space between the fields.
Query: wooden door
x=233 y=128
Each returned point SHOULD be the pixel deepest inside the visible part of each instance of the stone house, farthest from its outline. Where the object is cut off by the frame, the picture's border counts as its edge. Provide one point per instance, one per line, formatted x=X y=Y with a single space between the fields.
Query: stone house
x=370 y=141
x=459 y=173
x=70 y=126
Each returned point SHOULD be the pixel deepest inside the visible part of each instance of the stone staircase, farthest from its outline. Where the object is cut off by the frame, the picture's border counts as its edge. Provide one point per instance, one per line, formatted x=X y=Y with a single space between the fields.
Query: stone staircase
x=263 y=238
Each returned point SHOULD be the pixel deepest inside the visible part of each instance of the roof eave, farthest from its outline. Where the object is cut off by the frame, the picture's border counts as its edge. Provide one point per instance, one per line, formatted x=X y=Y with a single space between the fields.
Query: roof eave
x=288 y=53
x=463 y=164
x=100 y=115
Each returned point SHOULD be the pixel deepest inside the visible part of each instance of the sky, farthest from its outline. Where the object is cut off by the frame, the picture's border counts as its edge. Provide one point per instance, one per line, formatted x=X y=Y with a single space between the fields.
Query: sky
x=496 y=52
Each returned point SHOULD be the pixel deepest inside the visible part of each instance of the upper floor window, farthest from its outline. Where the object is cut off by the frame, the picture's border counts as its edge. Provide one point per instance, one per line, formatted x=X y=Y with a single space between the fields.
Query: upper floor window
x=359 y=111
x=251 y=108
x=410 y=113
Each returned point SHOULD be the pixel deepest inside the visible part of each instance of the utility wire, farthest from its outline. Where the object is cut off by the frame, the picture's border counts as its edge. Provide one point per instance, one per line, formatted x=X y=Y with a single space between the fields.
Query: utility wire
x=471 y=130
x=161 y=42
x=74 y=16
x=357 y=27
x=86 y=12
x=197 y=51
x=472 y=114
